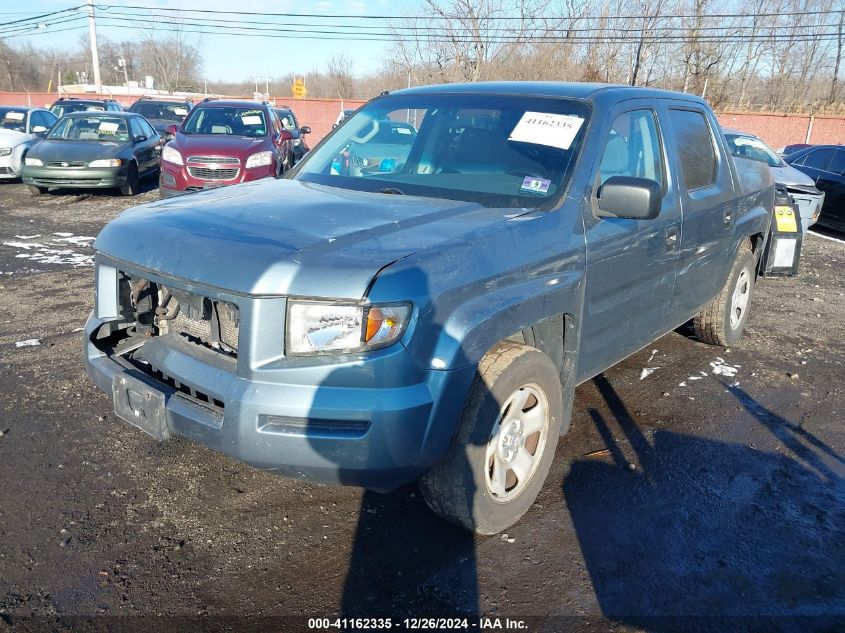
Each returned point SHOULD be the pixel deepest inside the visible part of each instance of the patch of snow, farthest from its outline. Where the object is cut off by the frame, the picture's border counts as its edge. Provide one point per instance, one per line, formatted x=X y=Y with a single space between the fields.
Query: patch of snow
x=647 y=371
x=29 y=237
x=60 y=234
x=720 y=368
x=31 y=342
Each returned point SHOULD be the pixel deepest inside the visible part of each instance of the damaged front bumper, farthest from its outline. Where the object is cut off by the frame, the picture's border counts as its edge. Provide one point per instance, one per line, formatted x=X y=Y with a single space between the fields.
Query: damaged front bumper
x=372 y=420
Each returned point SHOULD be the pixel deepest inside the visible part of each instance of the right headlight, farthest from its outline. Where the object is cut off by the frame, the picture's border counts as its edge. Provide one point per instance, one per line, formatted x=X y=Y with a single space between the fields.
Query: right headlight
x=315 y=327
x=5 y=151
x=33 y=162
x=171 y=155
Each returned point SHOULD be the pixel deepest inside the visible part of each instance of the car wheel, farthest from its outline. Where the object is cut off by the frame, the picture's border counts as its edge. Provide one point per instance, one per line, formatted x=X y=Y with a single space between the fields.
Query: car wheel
x=130 y=188
x=36 y=191
x=723 y=320
x=505 y=442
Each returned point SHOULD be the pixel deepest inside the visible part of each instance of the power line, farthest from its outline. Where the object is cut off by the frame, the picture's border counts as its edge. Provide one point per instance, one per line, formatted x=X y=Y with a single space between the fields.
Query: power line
x=348 y=16
x=281 y=26
x=43 y=15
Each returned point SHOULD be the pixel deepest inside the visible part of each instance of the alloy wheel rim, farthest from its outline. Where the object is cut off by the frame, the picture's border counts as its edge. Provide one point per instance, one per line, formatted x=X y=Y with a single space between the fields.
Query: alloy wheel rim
x=516 y=443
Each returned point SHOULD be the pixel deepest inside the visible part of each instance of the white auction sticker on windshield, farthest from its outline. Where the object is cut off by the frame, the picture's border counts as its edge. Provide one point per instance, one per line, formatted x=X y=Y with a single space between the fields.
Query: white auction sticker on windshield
x=108 y=127
x=544 y=128
x=14 y=116
x=180 y=112
x=252 y=119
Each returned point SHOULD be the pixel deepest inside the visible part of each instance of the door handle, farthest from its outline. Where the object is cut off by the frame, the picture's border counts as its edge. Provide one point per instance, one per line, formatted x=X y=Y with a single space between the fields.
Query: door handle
x=728 y=215
x=671 y=236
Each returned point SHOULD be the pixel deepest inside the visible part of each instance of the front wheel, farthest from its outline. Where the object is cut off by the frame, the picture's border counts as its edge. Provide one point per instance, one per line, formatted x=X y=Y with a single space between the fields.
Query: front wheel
x=131 y=186
x=723 y=320
x=505 y=443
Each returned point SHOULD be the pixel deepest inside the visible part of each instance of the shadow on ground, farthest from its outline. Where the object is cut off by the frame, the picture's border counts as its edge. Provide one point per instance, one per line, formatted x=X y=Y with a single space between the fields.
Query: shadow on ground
x=709 y=535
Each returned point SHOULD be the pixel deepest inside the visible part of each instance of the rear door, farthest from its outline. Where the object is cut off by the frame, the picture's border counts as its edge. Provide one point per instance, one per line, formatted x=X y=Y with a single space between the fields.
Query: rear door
x=832 y=182
x=631 y=264
x=706 y=189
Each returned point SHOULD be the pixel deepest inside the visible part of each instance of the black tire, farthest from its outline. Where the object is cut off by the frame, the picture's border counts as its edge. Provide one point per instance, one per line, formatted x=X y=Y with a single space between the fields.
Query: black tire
x=130 y=188
x=713 y=324
x=457 y=489
x=36 y=191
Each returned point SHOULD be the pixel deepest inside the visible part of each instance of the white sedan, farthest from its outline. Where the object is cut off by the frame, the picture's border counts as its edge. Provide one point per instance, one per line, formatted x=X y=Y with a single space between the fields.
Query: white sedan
x=20 y=128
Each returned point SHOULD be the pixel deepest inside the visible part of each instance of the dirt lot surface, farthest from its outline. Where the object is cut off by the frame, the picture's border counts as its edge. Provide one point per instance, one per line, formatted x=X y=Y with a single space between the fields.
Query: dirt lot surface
x=699 y=488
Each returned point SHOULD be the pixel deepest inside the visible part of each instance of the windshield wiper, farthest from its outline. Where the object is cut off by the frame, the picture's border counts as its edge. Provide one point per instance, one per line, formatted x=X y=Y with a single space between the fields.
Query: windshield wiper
x=393 y=191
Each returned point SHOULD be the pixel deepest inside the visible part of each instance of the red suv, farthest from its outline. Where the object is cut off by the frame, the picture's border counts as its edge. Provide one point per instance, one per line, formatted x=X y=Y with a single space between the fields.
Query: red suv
x=223 y=143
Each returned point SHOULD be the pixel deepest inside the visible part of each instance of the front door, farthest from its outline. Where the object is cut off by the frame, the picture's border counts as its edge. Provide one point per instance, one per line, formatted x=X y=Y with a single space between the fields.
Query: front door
x=631 y=264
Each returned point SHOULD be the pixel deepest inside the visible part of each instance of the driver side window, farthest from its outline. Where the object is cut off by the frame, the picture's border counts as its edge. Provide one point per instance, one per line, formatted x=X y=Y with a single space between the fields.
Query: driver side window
x=633 y=148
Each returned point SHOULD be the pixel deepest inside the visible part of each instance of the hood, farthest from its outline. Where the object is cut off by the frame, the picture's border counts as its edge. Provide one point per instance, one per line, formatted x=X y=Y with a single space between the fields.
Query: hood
x=161 y=124
x=787 y=175
x=285 y=237
x=12 y=138
x=49 y=151
x=216 y=144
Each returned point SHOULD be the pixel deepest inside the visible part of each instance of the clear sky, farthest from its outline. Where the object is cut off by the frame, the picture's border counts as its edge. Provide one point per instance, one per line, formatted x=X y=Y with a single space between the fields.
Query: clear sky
x=231 y=58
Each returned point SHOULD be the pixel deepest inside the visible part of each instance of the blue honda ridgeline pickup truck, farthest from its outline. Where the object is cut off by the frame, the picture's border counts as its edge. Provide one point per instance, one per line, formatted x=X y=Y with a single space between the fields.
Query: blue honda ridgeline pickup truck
x=420 y=296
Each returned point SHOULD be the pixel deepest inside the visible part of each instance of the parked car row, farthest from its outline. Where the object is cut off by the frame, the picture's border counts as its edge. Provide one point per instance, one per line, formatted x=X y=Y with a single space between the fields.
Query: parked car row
x=90 y=143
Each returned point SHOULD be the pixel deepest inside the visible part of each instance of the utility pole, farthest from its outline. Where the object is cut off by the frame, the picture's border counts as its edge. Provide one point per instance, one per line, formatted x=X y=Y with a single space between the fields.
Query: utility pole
x=92 y=35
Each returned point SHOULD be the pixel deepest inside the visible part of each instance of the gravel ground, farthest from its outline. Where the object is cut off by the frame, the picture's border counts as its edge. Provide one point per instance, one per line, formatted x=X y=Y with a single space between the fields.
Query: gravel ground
x=699 y=488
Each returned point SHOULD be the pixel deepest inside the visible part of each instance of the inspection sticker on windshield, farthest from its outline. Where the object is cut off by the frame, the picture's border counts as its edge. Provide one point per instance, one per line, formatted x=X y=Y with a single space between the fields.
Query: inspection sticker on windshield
x=108 y=127
x=535 y=185
x=544 y=128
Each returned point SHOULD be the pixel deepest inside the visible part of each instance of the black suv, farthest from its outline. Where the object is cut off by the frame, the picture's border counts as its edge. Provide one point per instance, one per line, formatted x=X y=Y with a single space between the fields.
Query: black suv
x=66 y=105
x=162 y=112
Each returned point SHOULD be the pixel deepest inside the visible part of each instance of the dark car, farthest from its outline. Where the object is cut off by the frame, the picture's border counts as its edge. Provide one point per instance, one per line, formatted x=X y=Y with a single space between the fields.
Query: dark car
x=161 y=113
x=66 y=105
x=223 y=142
x=94 y=150
x=299 y=146
x=789 y=149
x=825 y=164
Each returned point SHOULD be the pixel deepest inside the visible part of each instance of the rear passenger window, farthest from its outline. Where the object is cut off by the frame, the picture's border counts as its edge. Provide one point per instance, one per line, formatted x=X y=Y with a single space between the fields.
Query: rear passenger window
x=838 y=164
x=695 y=144
x=818 y=159
x=633 y=148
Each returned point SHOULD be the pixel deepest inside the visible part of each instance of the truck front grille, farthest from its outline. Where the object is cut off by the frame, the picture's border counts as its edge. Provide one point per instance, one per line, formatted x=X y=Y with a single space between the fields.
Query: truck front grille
x=210 y=173
x=215 y=324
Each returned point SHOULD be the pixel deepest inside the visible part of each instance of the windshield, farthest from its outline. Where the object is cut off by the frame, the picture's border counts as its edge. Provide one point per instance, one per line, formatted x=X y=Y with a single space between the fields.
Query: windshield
x=230 y=121
x=13 y=119
x=496 y=150
x=151 y=110
x=754 y=148
x=93 y=128
x=61 y=109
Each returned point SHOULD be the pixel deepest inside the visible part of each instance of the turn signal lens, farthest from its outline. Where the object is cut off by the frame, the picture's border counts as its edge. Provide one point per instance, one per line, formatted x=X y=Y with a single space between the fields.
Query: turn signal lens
x=385 y=324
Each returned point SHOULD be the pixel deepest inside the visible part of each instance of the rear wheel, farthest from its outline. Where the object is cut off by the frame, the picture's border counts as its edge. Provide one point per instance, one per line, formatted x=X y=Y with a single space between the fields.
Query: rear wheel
x=505 y=443
x=36 y=191
x=130 y=187
x=723 y=320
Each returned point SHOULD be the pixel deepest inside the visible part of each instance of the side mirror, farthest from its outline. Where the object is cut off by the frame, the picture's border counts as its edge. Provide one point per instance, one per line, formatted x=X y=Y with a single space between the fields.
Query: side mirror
x=285 y=135
x=39 y=129
x=305 y=130
x=628 y=197
x=169 y=132
x=140 y=138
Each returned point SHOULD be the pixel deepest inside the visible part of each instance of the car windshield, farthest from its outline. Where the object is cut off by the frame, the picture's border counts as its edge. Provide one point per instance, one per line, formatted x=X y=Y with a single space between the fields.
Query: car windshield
x=229 y=121
x=60 y=109
x=93 y=128
x=157 y=111
x=752 y=147
x=13 y=119
x=496 y=150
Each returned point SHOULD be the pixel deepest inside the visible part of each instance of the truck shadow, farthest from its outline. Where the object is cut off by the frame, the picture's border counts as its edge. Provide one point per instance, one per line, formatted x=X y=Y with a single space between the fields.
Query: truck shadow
x=404 y=561
x=710 y=535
